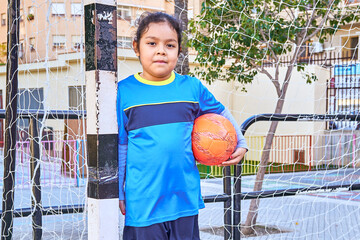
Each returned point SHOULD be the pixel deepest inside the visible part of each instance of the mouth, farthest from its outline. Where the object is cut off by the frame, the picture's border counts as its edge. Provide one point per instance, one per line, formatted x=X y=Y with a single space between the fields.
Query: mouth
x=160 y=62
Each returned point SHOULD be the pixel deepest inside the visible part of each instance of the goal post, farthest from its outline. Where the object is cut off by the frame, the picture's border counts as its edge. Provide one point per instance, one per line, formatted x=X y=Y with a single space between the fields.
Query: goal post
x=7 y=215
x=102 y=133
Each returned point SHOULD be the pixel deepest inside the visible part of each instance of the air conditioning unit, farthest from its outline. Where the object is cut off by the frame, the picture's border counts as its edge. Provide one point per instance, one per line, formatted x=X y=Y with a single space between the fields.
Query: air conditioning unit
x=316 y=47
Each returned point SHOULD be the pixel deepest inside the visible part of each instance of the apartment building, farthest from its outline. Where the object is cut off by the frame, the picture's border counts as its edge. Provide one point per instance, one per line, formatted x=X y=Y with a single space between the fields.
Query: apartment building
x=49 y=28
x=51 y=50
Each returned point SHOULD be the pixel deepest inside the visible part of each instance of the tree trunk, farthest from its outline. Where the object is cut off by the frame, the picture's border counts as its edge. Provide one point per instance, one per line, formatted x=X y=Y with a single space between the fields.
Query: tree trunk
x=254 y=204
x=181 y=13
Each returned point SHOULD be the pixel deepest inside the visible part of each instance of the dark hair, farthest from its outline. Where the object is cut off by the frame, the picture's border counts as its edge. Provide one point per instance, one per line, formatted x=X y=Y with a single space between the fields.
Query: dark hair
x=157 y=17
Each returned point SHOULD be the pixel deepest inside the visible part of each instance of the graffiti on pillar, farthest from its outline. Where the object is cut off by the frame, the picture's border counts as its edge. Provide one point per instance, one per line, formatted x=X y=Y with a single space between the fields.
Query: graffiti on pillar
x=100 y=37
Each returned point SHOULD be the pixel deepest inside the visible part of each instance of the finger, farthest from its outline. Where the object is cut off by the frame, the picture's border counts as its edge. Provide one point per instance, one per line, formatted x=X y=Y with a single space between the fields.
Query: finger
x=238 y=153
x=236 y=156
x=231 y=162
x=122 y=210
x=122 y=207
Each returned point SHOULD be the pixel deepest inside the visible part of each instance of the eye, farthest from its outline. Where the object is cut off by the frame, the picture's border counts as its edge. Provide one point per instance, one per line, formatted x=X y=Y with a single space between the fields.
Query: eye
x=171 y=46
x=151 y=43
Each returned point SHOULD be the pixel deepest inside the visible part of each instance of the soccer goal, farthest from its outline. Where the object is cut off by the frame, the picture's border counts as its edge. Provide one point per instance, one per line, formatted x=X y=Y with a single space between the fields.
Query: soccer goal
x=300 y=176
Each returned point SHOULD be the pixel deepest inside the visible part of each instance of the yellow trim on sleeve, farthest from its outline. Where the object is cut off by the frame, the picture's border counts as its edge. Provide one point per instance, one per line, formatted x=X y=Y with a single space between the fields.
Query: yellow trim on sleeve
x=158 y=104
x=155 y=83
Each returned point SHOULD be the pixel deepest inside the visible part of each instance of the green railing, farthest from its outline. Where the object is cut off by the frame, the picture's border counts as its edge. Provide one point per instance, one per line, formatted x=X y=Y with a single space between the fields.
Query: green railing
x=250 y=167
x=290 y=153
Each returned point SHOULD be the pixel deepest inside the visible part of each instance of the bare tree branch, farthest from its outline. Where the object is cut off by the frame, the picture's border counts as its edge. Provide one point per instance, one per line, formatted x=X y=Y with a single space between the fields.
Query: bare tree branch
x=269 y=45
x=322 y=23
x=273 y=80
x=290 y=13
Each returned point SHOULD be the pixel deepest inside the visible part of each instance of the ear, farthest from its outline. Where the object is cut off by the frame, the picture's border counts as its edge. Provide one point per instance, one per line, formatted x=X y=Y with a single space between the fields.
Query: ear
x=135 y=47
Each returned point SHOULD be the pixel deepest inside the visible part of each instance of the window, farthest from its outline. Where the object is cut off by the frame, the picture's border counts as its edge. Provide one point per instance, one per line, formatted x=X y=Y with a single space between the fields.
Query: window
x=343 y=94
x=57 y=9
x=31 y=10
x=350 y=45
x=138 y=15
x=76 y=9
x=32 y=44
x=124 y=42
x=76 y=41
x=124 y=13
x=3 y=19
x=59 y=40
x=77 y=98
x=21 y=49
x=30 y=14
x=305 y=50
x=29 y=98
x=190 y=14
x=21 y=15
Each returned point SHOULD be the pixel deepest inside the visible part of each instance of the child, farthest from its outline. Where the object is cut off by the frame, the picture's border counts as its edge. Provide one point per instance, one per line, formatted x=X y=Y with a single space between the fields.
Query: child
x=156 y=110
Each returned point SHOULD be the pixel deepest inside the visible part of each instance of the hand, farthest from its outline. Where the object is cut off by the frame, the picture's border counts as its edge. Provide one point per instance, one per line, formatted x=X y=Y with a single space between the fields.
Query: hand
x=122 y=206
x=235 y=158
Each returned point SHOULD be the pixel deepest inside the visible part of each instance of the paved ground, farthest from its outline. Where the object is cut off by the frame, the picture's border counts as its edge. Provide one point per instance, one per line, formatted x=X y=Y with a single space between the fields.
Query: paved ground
x=316 y=215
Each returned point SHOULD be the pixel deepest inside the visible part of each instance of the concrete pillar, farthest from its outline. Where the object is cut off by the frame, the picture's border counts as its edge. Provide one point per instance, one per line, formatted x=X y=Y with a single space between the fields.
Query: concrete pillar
x=102 y=131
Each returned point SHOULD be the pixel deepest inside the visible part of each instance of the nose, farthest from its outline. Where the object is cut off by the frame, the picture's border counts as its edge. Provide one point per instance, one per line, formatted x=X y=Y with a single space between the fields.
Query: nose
x=161 y=50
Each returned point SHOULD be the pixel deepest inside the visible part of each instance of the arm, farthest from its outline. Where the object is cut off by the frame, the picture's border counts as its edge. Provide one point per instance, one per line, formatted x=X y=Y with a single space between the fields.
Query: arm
x=122 y=150
x=122 y=163
x=241 y=147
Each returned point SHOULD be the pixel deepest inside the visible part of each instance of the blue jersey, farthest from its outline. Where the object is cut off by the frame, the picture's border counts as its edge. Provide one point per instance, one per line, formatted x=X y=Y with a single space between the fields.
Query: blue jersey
x=155 y=121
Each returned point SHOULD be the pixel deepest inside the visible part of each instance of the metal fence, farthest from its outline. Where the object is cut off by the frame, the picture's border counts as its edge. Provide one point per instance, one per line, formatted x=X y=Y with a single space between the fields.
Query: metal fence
x=291 y=153
x=61 y=165
x=343 y=93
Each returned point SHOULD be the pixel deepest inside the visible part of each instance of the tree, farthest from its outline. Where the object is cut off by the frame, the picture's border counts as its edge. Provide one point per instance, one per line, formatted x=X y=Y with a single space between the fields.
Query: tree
x=181 y=13
x=236 y=40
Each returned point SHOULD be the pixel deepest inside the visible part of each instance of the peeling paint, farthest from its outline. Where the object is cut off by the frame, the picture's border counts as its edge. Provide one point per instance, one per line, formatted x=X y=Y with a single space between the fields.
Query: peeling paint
x=97 y=88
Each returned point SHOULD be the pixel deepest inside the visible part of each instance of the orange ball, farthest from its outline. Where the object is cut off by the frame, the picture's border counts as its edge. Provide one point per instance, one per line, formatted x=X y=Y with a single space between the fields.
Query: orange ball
x=213 y=139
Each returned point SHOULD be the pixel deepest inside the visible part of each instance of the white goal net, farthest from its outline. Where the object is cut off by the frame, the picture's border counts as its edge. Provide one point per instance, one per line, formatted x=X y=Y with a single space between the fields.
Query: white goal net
x=244 y=48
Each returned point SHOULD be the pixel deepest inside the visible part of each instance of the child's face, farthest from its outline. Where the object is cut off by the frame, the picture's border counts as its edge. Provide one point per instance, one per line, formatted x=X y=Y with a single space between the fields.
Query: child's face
x=158 y=51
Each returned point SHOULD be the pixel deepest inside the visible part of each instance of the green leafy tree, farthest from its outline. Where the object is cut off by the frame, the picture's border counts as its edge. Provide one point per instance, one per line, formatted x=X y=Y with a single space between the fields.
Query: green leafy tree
x=236 y=40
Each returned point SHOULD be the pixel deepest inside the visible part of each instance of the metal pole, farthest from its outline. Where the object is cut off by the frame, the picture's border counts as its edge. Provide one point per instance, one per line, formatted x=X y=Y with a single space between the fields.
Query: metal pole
x=237 y=197
x=227 y=204
x=7 y=215
x=35 y=180
x=237 y=201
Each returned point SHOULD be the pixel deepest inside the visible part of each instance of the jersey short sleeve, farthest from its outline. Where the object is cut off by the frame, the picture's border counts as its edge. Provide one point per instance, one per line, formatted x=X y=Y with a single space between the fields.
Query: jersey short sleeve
x=207 y=101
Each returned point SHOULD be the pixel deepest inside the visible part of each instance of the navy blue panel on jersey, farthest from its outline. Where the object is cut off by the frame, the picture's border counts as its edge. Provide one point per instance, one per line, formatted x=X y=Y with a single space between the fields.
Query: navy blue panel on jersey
x=156 y=114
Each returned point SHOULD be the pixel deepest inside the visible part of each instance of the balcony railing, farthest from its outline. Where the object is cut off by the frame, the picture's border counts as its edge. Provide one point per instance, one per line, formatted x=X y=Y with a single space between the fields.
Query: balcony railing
x=325 y=58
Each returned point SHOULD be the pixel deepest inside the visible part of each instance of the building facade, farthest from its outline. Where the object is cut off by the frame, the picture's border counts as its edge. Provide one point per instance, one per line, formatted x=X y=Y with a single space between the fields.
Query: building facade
x=50 y=28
